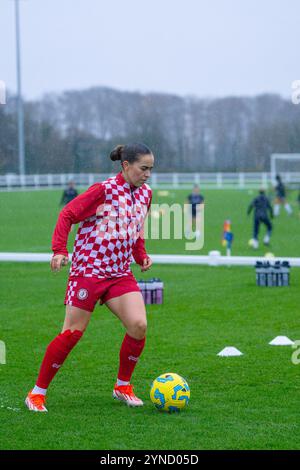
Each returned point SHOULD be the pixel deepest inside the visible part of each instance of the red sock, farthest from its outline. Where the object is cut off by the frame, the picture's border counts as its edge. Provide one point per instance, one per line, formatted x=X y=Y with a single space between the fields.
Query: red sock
x=55 y=356
x=130 y=352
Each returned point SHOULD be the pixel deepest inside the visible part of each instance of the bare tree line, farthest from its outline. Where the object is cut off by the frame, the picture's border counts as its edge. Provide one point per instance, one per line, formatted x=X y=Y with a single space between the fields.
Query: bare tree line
x=75 y=131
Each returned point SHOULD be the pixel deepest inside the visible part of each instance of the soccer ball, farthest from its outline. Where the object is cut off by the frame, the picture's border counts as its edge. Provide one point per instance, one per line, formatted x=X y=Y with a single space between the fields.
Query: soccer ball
x=253 y=243
x=170 y=392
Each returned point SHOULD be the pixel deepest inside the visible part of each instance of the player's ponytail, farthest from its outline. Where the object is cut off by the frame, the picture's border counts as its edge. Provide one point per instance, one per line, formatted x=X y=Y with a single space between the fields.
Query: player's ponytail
x=130 y=153
x=116 y=153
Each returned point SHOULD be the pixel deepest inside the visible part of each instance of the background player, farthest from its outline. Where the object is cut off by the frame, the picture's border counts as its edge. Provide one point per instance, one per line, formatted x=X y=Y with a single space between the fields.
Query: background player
x=194 y=199
x=262 y=208
x=280 y=199
x=69 y=193
x=111 y=216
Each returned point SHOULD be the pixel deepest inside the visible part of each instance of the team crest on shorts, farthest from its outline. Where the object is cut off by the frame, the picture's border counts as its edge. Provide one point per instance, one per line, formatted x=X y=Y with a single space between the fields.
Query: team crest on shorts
x=82 y=294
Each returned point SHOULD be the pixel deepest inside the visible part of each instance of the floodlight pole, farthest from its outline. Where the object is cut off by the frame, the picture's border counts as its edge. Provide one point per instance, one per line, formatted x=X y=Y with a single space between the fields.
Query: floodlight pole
x=19 y=94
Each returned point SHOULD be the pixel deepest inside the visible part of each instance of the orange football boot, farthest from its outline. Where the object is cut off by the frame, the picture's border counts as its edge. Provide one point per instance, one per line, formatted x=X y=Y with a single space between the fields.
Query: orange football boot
x=36 y=402
x=125 y=393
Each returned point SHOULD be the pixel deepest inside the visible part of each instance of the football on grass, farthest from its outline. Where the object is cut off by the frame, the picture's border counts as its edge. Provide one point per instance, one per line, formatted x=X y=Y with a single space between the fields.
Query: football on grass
x=170 y=392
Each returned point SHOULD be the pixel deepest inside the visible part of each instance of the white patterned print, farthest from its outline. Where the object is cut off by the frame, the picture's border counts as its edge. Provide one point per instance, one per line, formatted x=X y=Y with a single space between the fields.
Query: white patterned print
x=104 y=242
x=71 y=292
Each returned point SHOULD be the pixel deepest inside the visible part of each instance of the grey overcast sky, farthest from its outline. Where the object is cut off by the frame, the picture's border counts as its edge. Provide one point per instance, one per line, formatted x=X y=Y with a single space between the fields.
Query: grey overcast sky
x=187 y=47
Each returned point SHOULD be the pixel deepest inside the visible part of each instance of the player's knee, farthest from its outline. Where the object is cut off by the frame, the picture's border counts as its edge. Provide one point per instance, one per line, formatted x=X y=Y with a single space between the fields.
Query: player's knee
x=140 y=329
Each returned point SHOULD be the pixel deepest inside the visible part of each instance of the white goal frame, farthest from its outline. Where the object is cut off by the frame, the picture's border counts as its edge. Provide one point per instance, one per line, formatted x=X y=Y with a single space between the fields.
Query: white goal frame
x=281 y=156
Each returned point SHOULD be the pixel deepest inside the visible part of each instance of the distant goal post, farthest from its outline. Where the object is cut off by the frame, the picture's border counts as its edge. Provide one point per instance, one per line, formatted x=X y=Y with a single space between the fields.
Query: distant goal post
x=287 y=165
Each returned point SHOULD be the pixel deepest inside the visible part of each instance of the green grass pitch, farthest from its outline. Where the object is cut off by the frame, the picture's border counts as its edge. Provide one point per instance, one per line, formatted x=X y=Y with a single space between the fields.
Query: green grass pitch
x=248 y=402
x=28 y=219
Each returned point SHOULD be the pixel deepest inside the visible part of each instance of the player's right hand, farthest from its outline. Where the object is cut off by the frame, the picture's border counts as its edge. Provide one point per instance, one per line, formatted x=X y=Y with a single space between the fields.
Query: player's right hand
x=57 y=262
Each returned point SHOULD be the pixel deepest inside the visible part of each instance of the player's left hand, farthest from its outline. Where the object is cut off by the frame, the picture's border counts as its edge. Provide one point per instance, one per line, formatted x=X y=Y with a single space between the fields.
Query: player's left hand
x=147 y=263
x=57 y=261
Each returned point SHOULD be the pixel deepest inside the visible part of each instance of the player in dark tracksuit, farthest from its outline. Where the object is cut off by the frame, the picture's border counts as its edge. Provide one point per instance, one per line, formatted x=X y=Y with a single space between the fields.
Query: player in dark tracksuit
x=262 y=209
x=69 y=194
x=194 y=199
x=280 y=199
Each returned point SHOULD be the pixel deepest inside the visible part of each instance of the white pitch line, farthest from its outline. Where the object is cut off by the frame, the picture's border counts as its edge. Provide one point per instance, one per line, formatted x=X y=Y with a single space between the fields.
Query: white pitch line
x=9 y=408
x=210 y=260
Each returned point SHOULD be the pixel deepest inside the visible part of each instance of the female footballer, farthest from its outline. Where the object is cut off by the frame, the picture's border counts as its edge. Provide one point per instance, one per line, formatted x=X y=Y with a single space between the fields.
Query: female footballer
x=111 y=216
x=280 y=199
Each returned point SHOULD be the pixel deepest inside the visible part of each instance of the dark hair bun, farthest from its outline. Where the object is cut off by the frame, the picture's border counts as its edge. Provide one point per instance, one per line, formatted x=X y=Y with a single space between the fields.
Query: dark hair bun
x=116 y=153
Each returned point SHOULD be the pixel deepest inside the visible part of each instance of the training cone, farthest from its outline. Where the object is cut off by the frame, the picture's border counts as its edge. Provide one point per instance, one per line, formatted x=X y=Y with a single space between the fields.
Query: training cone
x=281 y=341
x=230 y=351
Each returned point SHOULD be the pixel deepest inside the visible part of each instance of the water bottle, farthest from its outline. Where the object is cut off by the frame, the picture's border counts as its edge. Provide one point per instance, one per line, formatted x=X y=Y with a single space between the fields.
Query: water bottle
x=160 y=292
x=264 y=272
x=285 y=270
x=277 y=275
x=159 y=285
x=153 y=290
x=267 y=279
x=270 y=272
x=148 y=292
x=258 y=269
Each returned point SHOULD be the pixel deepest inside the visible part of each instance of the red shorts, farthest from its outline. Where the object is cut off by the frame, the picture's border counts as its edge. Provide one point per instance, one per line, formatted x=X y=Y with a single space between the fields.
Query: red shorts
x=85 y=292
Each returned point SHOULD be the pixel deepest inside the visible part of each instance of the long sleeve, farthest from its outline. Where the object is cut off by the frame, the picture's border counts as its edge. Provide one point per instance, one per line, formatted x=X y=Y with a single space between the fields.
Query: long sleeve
x=139 y=251
x=250 y=208
x=270 y=210
x=82 y=207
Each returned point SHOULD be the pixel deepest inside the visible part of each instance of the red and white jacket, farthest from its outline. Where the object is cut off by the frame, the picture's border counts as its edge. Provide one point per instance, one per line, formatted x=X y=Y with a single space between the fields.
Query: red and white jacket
x=111 y=216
